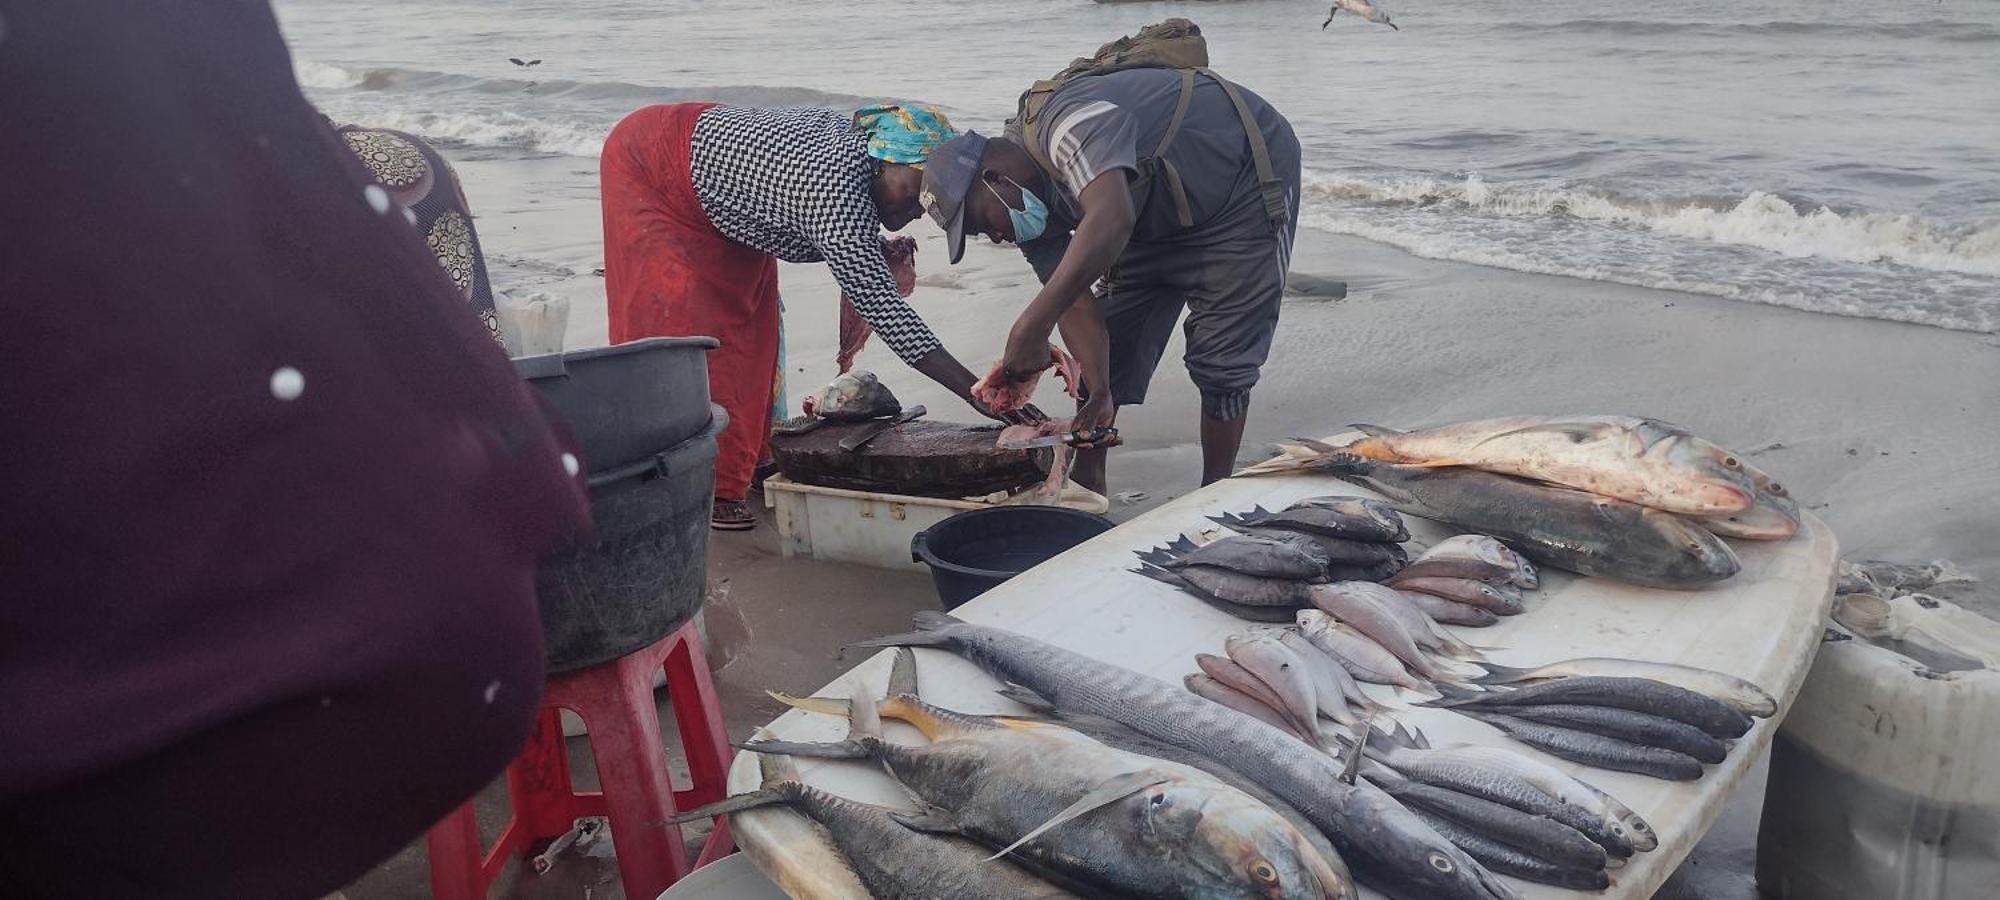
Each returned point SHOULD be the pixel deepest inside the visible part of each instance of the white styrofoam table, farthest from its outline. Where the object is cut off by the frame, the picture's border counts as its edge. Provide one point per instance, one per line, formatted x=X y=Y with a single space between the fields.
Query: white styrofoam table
x=1764 y=625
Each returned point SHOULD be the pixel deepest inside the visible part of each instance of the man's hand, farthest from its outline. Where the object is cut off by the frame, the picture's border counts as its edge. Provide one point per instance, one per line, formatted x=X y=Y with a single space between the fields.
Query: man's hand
x=1096 y=412
x=1027 y=353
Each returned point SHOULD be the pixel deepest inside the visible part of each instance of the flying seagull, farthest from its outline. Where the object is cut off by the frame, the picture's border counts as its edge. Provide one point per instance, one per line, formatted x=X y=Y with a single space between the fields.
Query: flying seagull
x=525 y=64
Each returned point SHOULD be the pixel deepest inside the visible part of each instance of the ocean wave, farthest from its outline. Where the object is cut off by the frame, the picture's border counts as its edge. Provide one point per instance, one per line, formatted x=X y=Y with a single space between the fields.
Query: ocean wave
x=494 y=129
x=1955 y=32
x=1758 y=219
x=323 y=76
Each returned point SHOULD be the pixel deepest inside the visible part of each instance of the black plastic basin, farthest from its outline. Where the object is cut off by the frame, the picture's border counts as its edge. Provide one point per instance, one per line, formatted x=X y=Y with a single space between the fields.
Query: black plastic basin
x=641 y=571
x=973 y=551
x=625 y=403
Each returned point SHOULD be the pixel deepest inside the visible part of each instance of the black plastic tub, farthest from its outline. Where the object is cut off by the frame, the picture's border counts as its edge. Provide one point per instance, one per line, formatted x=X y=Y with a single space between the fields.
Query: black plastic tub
x=624 y=403
x=973 y=551
x=642 y=570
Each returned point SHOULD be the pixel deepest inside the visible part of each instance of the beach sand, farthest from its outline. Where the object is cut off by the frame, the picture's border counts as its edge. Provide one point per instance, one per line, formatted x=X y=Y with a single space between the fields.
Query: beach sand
x=1884 y=430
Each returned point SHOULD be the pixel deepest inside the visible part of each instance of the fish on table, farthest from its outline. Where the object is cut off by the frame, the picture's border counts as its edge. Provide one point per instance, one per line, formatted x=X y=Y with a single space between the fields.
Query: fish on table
x=891 y=860
x=1643 y=461
x=1396 y=851
x=1071 y=807
x=1562 y=527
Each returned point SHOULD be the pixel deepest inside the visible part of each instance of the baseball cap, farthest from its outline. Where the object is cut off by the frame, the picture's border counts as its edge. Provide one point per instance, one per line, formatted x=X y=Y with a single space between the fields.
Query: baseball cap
x=948 y=177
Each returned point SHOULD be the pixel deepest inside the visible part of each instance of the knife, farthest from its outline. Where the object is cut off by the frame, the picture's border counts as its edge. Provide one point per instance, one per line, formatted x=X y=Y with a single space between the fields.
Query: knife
x=1071 y=437
x=874 y=430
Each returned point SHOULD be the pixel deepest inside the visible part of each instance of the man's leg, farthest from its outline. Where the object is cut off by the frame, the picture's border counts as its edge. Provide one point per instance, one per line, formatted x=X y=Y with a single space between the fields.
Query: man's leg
x=1139 y=319
x=1220 y=439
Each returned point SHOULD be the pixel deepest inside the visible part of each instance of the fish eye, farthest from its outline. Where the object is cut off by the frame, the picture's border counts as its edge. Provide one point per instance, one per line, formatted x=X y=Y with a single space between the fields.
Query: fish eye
x=1640 y=827
x=1442 y=863
x=1618 y=829
x=1777 y=489
x=1264 y=872
x=1159 y=799
x=1731 y=462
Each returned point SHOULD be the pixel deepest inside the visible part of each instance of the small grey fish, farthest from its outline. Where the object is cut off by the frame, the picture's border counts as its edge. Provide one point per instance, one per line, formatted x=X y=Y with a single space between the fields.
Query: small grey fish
x=1617 y=816
x=1423 y=629
x=1474 y=556
x=1508 y=788
x=1513 y=861
x=1331 y=517
x=1336 y=691
x=1745 y=696
x=1235 y=675
x=1281 y=670
x=1626 y=725
x=1362 y=657
x=1451 y=612
x=1266 y=557
x=1210 y=688
x=1541 y=837
x=1497 y=599
x=1638 y=694
x=1594 y=749
x=1248 y=590
x=1359 y=603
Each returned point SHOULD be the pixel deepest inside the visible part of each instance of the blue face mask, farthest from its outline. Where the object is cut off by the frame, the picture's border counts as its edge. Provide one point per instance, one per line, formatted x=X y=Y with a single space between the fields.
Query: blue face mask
x=1029 y=222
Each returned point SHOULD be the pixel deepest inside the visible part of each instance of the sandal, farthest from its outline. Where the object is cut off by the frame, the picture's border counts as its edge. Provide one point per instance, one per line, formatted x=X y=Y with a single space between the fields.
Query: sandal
x=731 y=515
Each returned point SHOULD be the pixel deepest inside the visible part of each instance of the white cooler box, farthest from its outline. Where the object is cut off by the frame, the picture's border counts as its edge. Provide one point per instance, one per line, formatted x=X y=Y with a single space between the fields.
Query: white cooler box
x=875 y=529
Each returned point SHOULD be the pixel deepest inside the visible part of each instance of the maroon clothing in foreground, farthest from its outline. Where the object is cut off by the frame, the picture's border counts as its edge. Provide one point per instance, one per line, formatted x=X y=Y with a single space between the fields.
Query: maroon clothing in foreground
x=272 y=498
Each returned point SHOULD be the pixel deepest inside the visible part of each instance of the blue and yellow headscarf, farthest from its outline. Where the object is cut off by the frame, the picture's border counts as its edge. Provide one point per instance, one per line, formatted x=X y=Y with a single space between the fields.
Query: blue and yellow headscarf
x=903 y=134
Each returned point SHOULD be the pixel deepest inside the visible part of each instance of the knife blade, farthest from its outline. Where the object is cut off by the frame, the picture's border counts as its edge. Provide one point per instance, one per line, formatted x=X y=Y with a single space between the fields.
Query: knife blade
x=860 y=439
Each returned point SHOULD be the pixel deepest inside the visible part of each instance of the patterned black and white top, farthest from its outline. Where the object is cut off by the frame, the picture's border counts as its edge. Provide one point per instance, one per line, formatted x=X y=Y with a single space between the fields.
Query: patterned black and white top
x=794 y=183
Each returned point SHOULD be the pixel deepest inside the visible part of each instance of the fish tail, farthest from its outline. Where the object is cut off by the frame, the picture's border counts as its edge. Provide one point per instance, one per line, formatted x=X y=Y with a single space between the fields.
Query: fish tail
x=825 y=706
x=1293 y=456
x=765 y=796
x=931 y=629
x=903 y=673
x=847 y=749
x=1496 y=673
x=1155 y=572
x=1157 y=557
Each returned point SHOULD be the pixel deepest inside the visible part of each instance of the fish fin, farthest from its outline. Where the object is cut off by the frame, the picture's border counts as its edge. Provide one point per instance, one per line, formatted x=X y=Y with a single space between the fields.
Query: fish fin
x=931 y=630
x=929 y=820
x=903 y=673
x=825 y=706
x=847 y=749
x=1457 y=693
x=1317 y=446
x=864 y=718
x=1026 y=696
x=1112 y=790
x=1498 y=674
x=1292 y=457
x=775 y=767
x=765 y=796
x=1414 y=736
x=1352 y=765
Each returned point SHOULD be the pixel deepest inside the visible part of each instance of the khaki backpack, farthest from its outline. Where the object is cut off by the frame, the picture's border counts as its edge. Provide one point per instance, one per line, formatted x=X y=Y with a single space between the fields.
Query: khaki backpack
x=1173 y=44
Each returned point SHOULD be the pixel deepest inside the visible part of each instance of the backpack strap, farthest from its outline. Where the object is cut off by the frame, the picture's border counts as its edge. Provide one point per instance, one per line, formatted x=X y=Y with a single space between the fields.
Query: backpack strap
x=1030 y=113
x=1275 y=206
x=1183 y=211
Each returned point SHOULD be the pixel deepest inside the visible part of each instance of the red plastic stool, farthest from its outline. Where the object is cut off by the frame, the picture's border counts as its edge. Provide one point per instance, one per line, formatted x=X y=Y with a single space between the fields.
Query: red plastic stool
x=615 y=701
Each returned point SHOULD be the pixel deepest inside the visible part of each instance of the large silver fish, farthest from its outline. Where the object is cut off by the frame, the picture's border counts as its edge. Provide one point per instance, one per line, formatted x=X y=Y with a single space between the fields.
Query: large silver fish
x=1568 y=529
x=1643 y=461
x=891 y=860
x=1066 y=803
x=1403 y=856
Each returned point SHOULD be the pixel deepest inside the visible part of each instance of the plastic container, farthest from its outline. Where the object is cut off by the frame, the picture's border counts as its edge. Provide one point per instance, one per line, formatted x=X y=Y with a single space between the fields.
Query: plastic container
x=729 y=878
x=972 y=552
x=1883 y=784
x=624 y=403
x=642 y=569
x=874 y=529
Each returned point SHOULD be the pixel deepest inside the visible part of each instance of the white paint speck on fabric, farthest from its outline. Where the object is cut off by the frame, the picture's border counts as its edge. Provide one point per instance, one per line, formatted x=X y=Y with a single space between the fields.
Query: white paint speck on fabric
x=570 y=464
x=378 y=199
x=492 y=691
x=409 y=215
x=287 y=383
